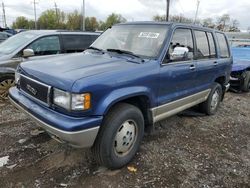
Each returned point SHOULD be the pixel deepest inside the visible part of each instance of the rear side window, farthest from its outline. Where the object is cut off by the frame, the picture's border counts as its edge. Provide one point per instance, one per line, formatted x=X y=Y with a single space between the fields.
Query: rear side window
x=181 y=38
x=77 y=43
x=202 y=45
x=211 y=45
x=223 y=47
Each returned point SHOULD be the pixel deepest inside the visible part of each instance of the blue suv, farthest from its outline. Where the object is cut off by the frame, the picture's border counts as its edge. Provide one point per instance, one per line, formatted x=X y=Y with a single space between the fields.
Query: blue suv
x=132 y=76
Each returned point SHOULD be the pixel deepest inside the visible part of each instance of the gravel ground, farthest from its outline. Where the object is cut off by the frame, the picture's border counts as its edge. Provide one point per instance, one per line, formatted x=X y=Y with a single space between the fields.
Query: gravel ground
x=187 y=150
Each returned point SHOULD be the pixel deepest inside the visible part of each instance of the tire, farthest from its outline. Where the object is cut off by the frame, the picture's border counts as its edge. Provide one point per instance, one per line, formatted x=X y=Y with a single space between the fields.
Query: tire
x=119 y=137
x=246 y=84
x=211 y=105
x=6 y=82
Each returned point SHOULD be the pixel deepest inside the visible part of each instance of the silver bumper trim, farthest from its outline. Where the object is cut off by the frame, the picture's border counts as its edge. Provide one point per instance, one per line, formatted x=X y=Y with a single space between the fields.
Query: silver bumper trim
x=227 y=87
x=79 y=139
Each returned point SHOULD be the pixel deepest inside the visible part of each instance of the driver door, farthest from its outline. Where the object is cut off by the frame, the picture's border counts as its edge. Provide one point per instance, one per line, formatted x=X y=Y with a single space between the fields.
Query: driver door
x=178 y=75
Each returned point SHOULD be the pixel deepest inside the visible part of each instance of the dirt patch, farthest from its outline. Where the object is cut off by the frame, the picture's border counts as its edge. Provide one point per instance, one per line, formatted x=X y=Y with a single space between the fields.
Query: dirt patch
x=186 y=150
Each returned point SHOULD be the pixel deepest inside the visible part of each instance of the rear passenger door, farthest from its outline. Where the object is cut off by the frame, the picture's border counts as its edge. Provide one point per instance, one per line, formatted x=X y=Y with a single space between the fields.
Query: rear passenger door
x=77 y=42
x=178 y=77
x=206 y=58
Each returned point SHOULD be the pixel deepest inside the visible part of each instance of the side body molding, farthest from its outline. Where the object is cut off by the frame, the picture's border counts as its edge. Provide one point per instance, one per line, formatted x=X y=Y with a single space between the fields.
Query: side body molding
x=161 y=112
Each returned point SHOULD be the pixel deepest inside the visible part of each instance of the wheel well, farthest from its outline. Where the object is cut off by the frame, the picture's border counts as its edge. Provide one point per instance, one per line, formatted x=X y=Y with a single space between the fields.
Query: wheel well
x=143 y=103
x=221 y=80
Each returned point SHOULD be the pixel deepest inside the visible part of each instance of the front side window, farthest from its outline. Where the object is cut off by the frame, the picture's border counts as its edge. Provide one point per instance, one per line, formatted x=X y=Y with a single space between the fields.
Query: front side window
x=46 y=46
x=202 y=45
x=181 y=47
x=223 y=47
x=145 y=41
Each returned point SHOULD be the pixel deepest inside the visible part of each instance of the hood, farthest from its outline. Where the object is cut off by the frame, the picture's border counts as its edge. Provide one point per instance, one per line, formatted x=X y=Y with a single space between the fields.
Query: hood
x=5 y=57
x=63 y=71
x=241 y=56
x=240 y=65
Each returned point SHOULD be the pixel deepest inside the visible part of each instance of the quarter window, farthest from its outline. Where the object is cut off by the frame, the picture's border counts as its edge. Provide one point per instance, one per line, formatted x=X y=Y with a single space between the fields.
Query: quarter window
x=181 y=47
x=46 y=46
x=202 y=45
x=223 y=47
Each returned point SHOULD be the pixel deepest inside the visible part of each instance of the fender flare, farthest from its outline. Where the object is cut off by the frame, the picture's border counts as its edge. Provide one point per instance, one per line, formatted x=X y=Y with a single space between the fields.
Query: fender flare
x=122 y=94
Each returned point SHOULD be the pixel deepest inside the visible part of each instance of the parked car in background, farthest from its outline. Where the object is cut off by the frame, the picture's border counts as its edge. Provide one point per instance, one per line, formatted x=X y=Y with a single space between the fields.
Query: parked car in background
x=133 y=75
x=240 y=76
x=30 y=45
x=4 y=36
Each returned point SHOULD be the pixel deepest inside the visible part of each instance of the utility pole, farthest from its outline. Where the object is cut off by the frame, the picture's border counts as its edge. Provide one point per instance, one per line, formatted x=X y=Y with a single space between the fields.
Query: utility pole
x=4 y=16
x=35 y=13
x=56 y=10
x=83 y=15
x=197 y=9
x=167 y=9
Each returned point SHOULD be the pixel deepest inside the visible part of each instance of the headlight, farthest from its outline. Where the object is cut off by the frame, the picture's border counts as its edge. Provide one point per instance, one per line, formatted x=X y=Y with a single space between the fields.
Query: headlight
x=62 y=98
x=17 y=77
x=72 y=101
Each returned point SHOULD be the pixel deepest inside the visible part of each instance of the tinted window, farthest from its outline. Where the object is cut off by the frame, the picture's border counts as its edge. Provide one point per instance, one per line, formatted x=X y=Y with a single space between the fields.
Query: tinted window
x=46 y=46
x=77 y=43
x=182 y=38
x=211 y=45
x=224 y=51
x=202 y=44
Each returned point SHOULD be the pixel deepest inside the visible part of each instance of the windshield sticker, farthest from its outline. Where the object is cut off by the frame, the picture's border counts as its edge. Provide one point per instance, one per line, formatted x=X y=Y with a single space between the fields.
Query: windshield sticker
x=149 y=35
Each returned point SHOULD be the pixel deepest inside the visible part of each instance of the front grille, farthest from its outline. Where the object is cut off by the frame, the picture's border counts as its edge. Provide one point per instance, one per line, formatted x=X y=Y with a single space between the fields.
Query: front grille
x=35 y=89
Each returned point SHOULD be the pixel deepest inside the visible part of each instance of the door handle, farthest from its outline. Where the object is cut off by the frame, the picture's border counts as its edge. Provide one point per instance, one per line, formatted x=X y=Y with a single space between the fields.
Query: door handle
x=215 y=63
x=192 y=67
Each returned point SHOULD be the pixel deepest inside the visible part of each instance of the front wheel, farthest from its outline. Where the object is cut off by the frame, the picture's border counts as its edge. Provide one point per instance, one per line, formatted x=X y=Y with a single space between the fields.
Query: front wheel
x=6 y=82
x=211 y=105
x=120 y=136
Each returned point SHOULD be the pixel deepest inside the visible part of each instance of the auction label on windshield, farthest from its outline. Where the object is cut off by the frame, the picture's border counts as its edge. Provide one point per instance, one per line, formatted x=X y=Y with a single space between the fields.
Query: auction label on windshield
x=149 y=35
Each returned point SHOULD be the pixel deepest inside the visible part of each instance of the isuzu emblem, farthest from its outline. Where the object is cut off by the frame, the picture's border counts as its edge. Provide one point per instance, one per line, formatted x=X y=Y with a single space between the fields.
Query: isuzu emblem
x=31 y=89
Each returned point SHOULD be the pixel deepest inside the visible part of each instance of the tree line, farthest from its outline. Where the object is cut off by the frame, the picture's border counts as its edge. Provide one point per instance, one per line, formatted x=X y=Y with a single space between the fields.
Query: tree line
x=222 y=23
x=56 y=19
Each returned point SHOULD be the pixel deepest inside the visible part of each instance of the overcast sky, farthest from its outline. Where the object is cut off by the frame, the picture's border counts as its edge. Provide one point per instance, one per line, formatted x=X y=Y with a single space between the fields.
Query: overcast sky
x=134 y=10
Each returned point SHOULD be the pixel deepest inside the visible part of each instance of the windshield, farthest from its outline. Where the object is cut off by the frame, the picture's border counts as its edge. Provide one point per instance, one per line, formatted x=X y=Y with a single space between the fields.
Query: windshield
x=243 y=43
x=145 y=41
x=15 y=42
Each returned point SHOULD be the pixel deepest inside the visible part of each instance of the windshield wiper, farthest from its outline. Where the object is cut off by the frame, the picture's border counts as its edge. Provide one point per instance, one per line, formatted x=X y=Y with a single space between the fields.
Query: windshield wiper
x=94 y=48
x=124 y=52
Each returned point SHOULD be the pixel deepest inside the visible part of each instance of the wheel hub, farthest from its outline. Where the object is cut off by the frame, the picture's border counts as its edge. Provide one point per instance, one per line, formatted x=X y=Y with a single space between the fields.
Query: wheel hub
x=125 y=137
x=5 y=86
x=215 y=100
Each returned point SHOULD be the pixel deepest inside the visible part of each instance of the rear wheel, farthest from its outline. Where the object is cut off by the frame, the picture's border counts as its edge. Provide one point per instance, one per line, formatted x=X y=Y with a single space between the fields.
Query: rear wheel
x=120 y=136
x=246 y=84
x=6 y=82
x=210 y=106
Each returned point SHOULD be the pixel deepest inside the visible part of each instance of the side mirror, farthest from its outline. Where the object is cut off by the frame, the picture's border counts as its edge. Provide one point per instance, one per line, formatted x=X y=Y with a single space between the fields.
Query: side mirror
x=179 y=53
x=28 y=53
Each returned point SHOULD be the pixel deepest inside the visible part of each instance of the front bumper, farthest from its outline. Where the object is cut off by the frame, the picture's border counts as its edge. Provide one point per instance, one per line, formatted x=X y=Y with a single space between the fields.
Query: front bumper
x=78 y=132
